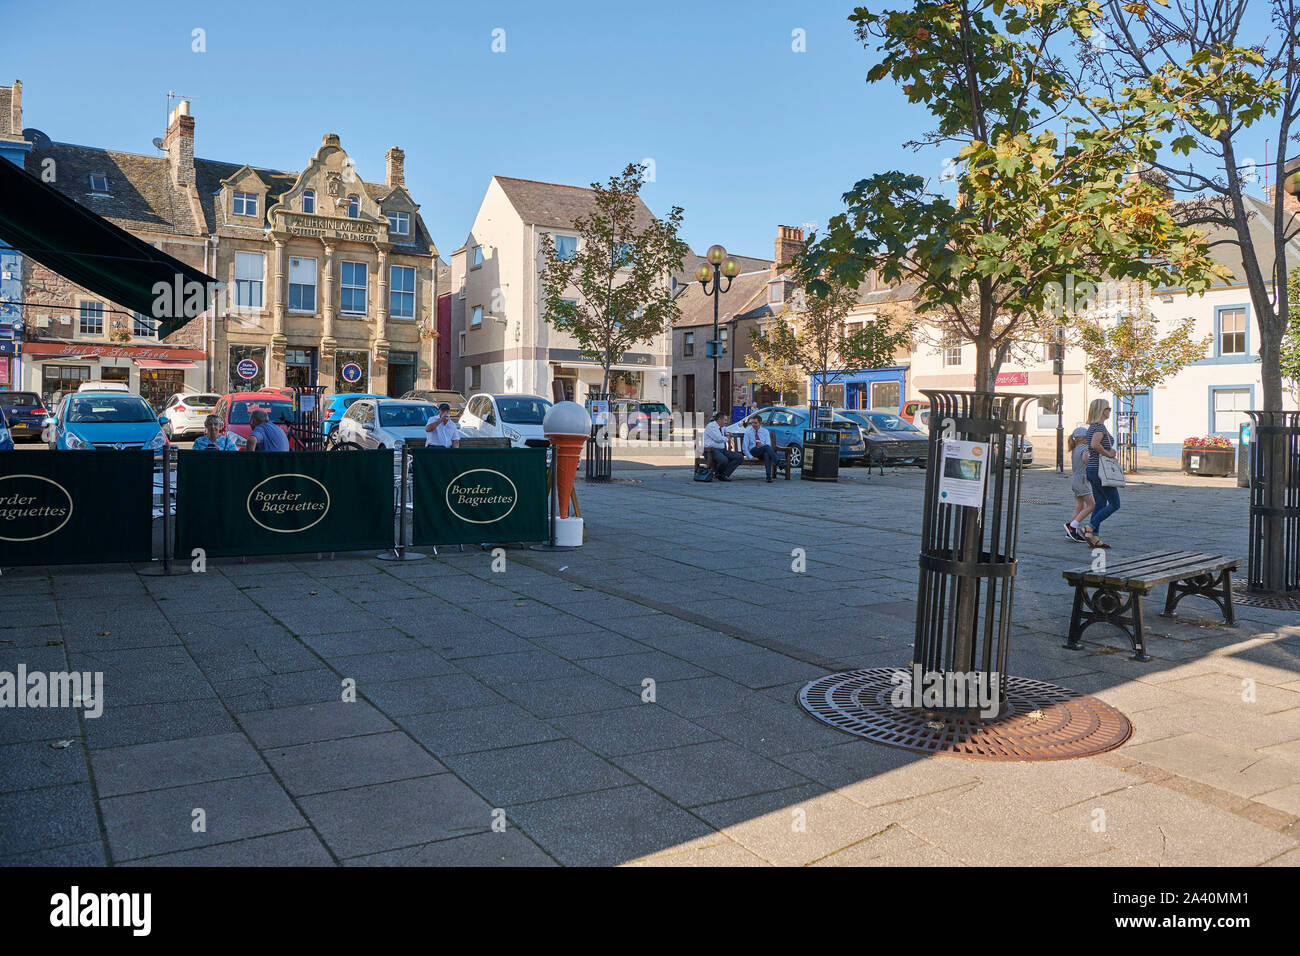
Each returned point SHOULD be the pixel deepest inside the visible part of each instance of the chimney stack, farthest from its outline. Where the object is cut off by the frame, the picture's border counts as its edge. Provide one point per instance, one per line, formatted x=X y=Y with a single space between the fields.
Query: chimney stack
x=178 y=144
x=1152 y=176
x=396 y=170
x=1290 y=202
x=789 y=241
x=11 y=120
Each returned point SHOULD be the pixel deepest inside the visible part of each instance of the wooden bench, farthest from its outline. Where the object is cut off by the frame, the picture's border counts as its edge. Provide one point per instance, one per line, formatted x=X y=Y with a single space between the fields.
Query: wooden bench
x=734 y=444
x=1114 y=593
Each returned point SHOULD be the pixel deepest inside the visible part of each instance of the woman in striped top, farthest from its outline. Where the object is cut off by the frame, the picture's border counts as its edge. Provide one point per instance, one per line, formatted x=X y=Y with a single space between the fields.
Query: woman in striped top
x=1105 y=500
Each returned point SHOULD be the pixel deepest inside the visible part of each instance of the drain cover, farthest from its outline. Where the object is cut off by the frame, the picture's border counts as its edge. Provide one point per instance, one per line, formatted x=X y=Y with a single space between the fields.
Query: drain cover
x=1270 y=602
x=1043 y=722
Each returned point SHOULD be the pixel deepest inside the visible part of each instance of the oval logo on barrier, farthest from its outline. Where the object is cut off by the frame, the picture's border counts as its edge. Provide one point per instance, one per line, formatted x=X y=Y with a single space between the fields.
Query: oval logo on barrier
x=481 y=496
x=32 y=507
x=288 y=503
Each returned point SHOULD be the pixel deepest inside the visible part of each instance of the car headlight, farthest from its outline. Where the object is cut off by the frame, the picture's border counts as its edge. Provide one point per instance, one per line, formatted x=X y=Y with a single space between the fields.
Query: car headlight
x=156 y=442
x=72 y=441
x=512 y=434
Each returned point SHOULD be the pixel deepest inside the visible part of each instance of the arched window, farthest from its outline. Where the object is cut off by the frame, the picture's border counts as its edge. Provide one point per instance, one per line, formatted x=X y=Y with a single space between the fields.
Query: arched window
x=309 y=200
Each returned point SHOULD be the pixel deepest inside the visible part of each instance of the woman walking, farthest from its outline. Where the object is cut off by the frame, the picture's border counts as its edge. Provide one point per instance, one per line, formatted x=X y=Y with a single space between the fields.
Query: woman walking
x=1079 y=485
x=1099 y=442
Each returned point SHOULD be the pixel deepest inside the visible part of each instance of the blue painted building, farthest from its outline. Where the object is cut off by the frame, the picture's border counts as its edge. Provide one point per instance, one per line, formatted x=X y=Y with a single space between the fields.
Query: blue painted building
x=14 y=149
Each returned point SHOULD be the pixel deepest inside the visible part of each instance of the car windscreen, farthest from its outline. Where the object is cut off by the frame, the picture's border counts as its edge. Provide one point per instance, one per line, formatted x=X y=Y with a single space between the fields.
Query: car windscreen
x=105 y=409
x=406 y=416
x=200 y=401
x=348 y=400
x=655 y=408
x=522 y=410
x=239 y=411
x=891 y=423
x=19 y=399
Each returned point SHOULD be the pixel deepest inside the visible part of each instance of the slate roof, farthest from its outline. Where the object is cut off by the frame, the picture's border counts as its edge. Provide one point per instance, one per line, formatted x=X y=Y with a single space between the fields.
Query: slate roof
x=1261 y=231
x=141 y=197
x=697 y=308
x=553 y=204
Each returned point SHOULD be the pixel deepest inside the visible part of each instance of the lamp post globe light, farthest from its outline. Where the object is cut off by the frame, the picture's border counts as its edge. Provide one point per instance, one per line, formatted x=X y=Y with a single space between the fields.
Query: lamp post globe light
x=716 y=267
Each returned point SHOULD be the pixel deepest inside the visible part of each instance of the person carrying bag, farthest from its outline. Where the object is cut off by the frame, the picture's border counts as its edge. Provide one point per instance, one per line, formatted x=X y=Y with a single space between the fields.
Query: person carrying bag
x=1101 y=461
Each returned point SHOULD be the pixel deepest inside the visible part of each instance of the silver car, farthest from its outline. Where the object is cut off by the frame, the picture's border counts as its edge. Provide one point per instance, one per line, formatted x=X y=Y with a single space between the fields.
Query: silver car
x=385 y=423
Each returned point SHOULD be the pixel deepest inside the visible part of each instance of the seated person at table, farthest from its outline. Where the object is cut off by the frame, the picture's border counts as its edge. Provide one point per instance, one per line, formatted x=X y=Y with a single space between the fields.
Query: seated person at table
x=265 y=436
x=211 y=440
x=724 y=461
x=757 y=443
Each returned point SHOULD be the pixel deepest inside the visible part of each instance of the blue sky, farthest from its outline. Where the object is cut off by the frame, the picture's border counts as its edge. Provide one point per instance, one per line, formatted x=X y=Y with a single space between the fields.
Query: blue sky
x=744 y=132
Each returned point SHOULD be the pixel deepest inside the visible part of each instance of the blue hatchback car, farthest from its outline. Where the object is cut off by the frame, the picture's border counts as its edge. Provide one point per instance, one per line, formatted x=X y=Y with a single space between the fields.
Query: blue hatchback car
x=105 y=420
x=787 y=423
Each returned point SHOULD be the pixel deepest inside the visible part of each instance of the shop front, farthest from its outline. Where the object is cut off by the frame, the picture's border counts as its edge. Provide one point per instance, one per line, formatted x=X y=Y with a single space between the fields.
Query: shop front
x=880 y=389
x=53 y=369
x=635 y=378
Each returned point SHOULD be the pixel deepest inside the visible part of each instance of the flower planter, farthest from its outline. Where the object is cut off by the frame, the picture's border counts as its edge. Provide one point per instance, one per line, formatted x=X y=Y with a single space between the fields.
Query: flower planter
x=1211 y=462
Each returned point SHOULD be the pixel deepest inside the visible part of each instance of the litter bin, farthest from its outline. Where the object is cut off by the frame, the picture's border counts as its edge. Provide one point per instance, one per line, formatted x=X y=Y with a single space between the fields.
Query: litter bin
x=821 y=455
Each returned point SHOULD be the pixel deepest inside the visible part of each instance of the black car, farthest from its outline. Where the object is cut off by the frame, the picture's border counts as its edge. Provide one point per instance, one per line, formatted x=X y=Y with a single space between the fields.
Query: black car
x=890 y=439
x=26 y=414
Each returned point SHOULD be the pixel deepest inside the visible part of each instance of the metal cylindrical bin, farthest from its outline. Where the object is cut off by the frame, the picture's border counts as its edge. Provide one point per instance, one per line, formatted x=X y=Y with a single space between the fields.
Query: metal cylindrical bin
x=821 y=455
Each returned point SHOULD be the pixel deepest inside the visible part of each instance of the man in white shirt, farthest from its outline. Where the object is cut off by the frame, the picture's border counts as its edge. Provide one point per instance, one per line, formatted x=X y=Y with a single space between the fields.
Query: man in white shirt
x=441 y=432
x=724 y=460
x=757 y=443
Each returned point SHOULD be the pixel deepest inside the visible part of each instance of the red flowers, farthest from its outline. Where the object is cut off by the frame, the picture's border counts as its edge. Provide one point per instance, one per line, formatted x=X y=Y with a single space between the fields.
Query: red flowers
x=1209 y=441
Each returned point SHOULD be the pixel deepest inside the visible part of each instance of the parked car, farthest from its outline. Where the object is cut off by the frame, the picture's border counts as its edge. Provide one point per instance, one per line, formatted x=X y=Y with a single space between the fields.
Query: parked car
x=436 y=397
x=333 y=407
x=385 y=423
x=635 y=419
x=6 y=440
x=786 y=423
x=916 y=411
x=104 y=421
x=285 y=390
x=99 y=385
x=185 y=413
x=890 y=439
x=25 y=413
x=234 y=408
x=517 y=417
x=1026 y=449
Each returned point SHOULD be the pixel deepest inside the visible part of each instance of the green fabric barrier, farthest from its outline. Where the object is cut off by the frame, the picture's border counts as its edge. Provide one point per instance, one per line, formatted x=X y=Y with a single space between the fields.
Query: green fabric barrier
x=238 y=503
x=76 y=507
x=479 y=495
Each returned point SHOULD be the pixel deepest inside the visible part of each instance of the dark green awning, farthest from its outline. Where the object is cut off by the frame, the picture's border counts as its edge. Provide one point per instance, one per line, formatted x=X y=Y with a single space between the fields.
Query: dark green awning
x=84 y=247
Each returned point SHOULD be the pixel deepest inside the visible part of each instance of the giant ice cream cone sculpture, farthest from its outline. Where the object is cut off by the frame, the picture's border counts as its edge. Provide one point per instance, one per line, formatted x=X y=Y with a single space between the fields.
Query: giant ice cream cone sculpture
x=567 y=425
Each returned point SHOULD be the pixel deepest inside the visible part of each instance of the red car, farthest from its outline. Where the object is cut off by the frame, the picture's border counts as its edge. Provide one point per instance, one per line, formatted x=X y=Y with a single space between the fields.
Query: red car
x=234 y=409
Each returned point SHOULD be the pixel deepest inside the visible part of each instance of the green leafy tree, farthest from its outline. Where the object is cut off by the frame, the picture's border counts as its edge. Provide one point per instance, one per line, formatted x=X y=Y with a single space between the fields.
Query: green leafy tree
x=620 y=272
x=1217 y=71
x=1129 y=355
x=1289 y=362
x=810 y=337
x=1043 y=190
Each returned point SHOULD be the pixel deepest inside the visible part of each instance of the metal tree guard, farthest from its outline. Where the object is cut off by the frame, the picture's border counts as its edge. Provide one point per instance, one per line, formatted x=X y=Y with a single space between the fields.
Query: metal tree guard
x=968 y=555
x=600 y=450
x=1274 y=545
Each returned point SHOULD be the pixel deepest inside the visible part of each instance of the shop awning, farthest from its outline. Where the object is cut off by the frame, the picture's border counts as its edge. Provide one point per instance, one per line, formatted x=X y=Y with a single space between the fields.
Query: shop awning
x=164 y=363
x=84 y=247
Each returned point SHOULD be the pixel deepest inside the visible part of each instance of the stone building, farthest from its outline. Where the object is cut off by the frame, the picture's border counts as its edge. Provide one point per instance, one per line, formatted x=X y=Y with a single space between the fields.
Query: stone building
x=324 y=278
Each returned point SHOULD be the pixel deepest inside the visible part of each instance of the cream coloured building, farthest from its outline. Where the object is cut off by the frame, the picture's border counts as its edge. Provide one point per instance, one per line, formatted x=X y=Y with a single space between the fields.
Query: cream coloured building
x=502 y=341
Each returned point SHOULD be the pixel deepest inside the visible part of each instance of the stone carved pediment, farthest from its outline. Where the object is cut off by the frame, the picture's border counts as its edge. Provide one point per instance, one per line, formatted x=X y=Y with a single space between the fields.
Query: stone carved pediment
x=333 y=177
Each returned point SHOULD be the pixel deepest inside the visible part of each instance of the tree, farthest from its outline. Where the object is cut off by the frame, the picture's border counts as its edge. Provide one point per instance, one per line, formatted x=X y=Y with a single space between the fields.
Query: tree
x=1035 y=206
x=620 y=270
x=810 y=337
x=1289 y=362
x=1190 y=54
x=1129 y=355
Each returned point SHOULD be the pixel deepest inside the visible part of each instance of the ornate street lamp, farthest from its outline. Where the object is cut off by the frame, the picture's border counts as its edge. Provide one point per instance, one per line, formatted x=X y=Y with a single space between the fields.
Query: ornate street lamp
x=718 y=265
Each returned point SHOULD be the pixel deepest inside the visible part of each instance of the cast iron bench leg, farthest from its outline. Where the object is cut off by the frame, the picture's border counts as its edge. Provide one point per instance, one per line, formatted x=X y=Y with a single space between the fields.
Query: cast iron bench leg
x=1076 y=630
x=1139 y=639
x=1228 y=610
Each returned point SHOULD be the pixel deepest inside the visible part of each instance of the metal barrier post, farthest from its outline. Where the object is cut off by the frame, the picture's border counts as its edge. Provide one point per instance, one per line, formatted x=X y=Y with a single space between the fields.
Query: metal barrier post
x=399 y=553
x=167 y=534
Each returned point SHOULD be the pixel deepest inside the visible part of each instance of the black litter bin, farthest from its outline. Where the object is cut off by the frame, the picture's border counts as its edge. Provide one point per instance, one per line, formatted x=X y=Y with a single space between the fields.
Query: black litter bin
x=821 y=455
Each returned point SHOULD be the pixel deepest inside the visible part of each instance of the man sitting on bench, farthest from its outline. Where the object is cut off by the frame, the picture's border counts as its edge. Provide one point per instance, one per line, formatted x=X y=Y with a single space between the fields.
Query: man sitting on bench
x=757 y=443
x=715 y=444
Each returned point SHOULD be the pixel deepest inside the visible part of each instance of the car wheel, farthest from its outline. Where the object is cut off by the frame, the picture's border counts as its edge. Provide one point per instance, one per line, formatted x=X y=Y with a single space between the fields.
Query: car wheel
x=794 y=455
x=347 y=446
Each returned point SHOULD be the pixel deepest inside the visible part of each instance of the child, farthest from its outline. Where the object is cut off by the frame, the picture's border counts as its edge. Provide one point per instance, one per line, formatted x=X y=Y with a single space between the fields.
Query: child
x=1083 y=501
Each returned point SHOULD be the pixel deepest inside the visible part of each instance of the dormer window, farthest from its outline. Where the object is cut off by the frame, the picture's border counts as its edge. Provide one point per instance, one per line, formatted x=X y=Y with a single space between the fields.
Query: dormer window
x=354 y=207
x=776 y=292
x=399 y=223
x=98 y=183
x=244 y=204
x=309 y=200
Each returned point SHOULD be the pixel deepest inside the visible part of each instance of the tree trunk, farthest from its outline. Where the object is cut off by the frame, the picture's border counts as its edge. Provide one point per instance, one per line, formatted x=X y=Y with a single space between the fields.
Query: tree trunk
x=1270 y=360
x=984 y=368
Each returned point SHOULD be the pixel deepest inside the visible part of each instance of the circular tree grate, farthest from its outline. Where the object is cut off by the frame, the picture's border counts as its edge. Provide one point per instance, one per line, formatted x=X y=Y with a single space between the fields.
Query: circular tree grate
x=1241 y=594
x=1041 y=722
